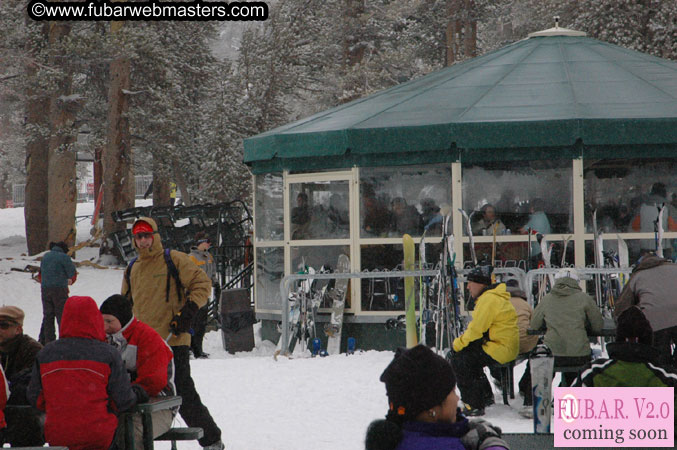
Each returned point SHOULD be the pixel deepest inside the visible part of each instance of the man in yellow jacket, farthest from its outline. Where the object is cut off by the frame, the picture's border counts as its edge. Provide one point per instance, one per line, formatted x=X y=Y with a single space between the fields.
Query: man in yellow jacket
x=159 y=301
x=492 y=337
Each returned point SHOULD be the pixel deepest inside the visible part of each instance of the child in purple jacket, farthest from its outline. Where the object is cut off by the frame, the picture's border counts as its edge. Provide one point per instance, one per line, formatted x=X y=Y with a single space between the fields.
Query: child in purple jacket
x=423 y=409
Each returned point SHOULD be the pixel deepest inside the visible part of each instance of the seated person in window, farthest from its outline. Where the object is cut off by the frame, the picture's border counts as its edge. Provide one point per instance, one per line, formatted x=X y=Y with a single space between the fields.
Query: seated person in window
x=648 y=217
x=485 y=226
x=538 y=223
x=337 y=214
x=431 y=217
x=300 y=216
x=376 y=217
x=405 y=218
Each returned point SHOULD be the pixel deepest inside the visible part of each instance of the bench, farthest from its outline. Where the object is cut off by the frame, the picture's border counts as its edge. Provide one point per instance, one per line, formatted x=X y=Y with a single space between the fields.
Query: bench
x=507 y=379
x=181 y=434
x=570 y=369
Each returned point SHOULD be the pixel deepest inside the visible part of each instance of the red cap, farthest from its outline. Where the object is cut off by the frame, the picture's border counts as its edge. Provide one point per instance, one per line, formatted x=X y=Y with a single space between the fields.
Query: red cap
x=142 y=227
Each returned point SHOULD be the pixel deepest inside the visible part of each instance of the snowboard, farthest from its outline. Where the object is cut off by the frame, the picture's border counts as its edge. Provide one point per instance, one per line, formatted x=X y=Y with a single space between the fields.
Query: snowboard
x=294 y=324
x=338 y=296
x=409 y=291
x=542 y=363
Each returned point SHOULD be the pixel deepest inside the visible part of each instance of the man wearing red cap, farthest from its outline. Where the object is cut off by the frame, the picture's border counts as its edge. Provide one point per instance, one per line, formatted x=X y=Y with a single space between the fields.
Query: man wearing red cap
x=169 y=307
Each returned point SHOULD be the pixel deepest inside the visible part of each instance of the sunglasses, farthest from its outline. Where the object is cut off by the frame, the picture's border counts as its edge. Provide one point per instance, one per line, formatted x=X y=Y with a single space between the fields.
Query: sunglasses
x=7 y=325
x=143 y=235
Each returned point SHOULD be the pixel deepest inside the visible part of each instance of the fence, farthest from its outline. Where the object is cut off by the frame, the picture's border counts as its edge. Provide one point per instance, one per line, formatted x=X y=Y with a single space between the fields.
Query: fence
x=141 y=183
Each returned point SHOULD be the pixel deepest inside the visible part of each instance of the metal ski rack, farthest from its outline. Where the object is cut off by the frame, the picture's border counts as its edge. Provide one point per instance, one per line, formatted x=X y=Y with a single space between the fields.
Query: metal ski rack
x=286 y=281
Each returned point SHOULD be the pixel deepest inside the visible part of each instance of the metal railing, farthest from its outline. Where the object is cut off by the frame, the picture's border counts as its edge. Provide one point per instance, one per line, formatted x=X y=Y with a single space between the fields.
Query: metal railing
x=285 y=282
x=584 y=274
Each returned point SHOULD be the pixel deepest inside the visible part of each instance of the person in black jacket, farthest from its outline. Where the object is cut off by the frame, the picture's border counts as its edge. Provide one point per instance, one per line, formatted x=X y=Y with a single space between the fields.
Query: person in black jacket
x=17 y=355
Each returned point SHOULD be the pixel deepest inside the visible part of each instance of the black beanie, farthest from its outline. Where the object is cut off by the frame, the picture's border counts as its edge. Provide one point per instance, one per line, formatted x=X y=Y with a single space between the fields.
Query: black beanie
x=633 y=327
x=480 y=274
x=417 y=379
x=119 y=306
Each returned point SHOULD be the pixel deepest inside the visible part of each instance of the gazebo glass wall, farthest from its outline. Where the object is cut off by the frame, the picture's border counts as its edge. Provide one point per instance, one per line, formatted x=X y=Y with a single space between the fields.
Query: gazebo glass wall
x=523 y=195
x=626 y=193
x=309 y=219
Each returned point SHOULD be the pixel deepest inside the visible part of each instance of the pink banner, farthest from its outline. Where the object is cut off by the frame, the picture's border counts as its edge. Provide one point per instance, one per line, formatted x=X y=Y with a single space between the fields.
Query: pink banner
x=614 y=417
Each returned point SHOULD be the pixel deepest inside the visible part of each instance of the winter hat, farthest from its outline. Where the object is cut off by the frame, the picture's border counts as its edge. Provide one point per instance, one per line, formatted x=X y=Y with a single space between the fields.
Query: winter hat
x=201 y=237
x=13 y=314
x=119 y=306
x=480 y=274
x=567 y=273
x=417 y=379
x=142 y=227
x=633 y=327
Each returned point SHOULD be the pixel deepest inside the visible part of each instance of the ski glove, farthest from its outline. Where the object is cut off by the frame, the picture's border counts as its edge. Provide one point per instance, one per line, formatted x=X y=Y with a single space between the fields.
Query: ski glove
x=482 y=435
x=182 y=322
x=141 y=394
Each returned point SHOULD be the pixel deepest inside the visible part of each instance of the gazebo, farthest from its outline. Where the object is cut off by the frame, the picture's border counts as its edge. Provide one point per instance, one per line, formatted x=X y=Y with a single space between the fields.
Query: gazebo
x=558 y=121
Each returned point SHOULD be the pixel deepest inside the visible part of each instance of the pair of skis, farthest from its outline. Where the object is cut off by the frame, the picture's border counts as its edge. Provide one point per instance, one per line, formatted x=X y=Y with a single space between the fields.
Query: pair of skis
x=303 y=306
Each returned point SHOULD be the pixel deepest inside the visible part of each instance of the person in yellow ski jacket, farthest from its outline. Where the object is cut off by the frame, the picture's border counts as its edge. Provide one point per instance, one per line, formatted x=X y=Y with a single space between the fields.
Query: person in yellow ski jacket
x=492 y=337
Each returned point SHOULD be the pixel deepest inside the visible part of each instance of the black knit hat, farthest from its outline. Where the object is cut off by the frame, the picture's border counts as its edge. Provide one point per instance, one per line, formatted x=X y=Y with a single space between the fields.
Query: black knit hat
x=481 y=274
x=417 y=379
x=633 y=327
x=119 y=306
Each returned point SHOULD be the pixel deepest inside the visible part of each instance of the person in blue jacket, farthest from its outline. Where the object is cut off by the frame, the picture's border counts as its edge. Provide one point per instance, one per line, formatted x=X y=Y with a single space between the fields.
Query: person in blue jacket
x=423 y=409
x=57 y=272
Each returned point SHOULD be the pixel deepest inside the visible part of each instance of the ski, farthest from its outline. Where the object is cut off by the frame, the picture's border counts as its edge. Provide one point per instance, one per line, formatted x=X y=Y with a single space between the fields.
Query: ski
x=338 y=296
x=599 y=260
x=409 y=290
x=423 y=304
x=542 y=363
x=658 y=226
x=470 y=236
x=564 y=251
x=623 y=260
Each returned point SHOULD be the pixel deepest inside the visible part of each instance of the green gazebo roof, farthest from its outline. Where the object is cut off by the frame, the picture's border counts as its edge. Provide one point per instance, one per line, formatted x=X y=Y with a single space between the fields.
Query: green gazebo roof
x=571 y=94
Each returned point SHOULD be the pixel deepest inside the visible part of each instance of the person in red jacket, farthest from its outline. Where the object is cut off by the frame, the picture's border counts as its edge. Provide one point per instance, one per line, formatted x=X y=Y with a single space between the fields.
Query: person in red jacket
x=146 y=356
x=80 y=382
x=4 y=395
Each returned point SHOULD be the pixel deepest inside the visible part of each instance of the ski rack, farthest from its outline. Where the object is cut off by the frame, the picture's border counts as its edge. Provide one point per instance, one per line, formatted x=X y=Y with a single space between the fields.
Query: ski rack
x=286 y=281
x=584 y=274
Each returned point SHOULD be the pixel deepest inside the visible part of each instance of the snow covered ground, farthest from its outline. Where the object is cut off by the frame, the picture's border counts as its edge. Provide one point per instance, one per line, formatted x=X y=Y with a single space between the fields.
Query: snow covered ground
x=259 y=403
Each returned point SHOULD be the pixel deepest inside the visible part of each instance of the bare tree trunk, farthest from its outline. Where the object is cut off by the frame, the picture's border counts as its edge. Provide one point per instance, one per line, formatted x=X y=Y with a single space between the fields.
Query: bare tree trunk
x=37 y=152
x=160 y=183
x=61 y=175
x=181 y=182
x=118 y=177
x=5 y=195
x=461 y=31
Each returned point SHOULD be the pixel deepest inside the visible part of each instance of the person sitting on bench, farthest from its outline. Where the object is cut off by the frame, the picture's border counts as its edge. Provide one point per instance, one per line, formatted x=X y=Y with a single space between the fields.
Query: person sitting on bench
x=632 y=359
x=568 y=313
x=492 y=337
x=147 y=358
x=80 y=382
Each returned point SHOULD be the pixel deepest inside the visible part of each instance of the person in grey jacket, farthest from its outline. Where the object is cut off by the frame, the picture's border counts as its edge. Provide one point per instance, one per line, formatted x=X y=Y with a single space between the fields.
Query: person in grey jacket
x=652 y=288
x=569 y=314
x=57 y=272
x=203 y=258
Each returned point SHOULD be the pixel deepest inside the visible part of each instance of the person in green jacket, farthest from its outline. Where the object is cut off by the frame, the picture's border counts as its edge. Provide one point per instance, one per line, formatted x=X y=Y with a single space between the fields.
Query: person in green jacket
x=492 y=337
x=632 y=359
x=568 y=314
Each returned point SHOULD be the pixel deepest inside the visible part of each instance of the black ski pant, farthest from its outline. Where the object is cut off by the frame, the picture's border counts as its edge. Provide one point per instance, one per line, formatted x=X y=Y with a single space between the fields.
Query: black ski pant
x=53 y=301
x=568 y=378
x=662 y=341
x=469 y=366
x=192 y=410
x=199 y=329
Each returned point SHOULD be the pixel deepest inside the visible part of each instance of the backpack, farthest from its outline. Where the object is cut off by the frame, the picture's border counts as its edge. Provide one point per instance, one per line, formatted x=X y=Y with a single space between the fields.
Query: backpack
x=172 y=272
